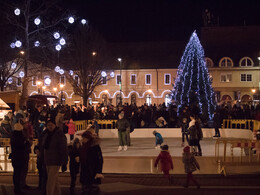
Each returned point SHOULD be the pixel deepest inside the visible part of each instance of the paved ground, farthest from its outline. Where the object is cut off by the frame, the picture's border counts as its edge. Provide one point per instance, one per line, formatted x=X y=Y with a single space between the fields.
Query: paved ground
x=128 y=184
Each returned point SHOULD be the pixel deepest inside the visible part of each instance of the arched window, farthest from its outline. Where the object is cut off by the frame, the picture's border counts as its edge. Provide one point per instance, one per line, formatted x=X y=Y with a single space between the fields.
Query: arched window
x=226 y=98
x=209 y=62
x=226 y=62
x=246 y=62
x=168 y=99
x=246 y=98
x=104 y=99
x=148 y=100
x=117 y=99
x=133 y=99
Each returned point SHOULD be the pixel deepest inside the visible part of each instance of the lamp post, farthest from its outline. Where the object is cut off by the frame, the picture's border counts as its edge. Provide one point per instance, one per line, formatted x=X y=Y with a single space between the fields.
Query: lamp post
x=61 y=93
x=55 y=89
x=120 y=82
x=38 y=83
x=43 y=89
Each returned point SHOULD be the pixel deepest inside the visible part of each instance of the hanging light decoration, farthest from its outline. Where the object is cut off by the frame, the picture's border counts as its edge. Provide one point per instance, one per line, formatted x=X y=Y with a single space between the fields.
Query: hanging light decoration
x=10 y=80
x=58 y=47
x=103 y=74
x=21 y=74
x=17 y=11
x=37 y=21
x=37 y=43
x=71 y=20
x=18 y=43
x=56 y=35
x=13 y=65
x=47 y=81
x=112 y=74
x=84 y=21
x=71 y=72
x=61 y=71
x=12 y=45
x=62 y=41
x=57 y=69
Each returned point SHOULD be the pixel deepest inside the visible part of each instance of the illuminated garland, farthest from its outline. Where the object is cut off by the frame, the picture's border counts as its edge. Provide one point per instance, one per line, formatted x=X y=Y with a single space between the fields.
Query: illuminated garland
x=193 y=85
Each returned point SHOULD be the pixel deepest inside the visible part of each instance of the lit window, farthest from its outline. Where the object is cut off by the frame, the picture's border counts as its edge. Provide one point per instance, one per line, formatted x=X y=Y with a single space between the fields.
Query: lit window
x=246 y=62
x=133 y=79
x=148 y=79
x=226 y=77
x=148 y=100
x=167 y=79
x=226 y=62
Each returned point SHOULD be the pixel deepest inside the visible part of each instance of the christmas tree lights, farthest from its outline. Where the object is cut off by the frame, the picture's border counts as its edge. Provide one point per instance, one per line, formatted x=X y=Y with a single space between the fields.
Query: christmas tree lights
x=192 y=86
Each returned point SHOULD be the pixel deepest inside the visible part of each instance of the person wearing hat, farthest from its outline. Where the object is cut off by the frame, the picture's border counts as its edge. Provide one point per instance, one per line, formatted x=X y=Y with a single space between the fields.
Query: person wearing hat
x=91 y=163
x=55 y=156
x=165 y=160
x=19 y=147
x=190 y=165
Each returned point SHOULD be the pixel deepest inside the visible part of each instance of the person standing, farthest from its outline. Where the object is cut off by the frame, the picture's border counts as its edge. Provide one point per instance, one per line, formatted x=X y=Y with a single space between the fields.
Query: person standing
x=55 y=156
x=122 y=124
x=71 y=129
x=184 y=124
x=193 y=134
x=190 y=165
x=91 y=162
x=19 y=147
x=217 y=124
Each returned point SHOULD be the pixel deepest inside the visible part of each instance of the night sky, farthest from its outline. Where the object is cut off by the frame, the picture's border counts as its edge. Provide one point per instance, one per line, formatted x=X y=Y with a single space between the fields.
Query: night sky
x=162 y=20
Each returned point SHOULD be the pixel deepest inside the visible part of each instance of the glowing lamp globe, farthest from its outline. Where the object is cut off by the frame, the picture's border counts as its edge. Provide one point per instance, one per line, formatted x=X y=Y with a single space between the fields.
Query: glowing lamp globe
x=12 y=45
x=21 y=74
x=112 y=74
x=83 y=21
x=56 y=35
x=18 y=43
x=71 y=72
x=37 y=21
x=103 y=74
x=13 y=65
x=71 y=20
x=10 y=80
x=47 y=81
x=62 y=41
x=58 y=47
x=17 y=11
x=57 y=69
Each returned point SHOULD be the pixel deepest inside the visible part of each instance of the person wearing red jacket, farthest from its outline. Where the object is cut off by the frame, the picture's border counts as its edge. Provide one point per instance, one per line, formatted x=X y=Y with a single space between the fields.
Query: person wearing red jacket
x=71 y=129
x=166 y=162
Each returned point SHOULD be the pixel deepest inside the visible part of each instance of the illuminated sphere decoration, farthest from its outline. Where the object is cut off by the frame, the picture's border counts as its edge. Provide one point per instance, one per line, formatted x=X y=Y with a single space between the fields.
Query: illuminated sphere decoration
x=18 y=43
x=112 y=74
x=37 y=21
x=47 y=81
x=71 y=72
x=21 y=74
x=13 y=65
x=37 y=43
x=103 y=74
x=10 y=80
x=61 y=71
x=71 y=20
x=57 y=69
x=83 y=21
x=62 y=41
x=56 y=35
x=17 y=11
x=58 y=47
x=12 y=45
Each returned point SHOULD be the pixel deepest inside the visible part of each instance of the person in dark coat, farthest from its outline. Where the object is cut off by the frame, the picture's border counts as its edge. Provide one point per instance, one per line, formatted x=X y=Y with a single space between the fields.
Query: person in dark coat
x=122 y=124
x=91 y=162
x=166 y=161
x=217 y=124
x=184 y=124
x=74 y=152
x=193 y=134
x=19 y=146
x=6 y=128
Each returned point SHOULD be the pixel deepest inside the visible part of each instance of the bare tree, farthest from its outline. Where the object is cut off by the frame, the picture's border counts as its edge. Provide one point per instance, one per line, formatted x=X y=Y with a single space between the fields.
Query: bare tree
x=87 y=58
x=28 y=32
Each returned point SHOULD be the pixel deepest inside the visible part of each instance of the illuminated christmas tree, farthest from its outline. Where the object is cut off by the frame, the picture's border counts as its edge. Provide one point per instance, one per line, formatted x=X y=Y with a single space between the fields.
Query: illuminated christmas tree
x=192 y=86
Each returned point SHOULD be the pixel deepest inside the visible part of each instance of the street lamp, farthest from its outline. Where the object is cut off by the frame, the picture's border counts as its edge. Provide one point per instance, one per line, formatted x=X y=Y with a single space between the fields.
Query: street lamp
x=43 y=89
x=120 y=82
x=55 y=89
x=61 y=93
x=39 y=83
